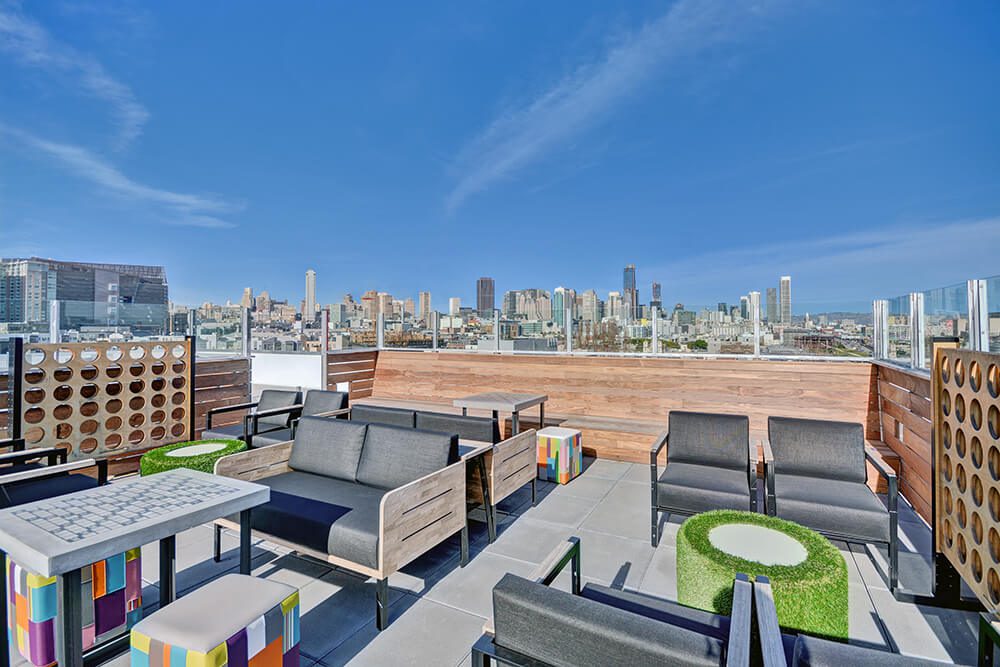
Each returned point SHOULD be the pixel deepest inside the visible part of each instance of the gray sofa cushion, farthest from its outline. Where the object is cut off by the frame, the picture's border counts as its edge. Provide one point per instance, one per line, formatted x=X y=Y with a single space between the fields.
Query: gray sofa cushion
x=816 y=448
x=231 y=432
x=271 y=437
x=318 y=401
x=565 y=630
x=483 y=429
x=335 y=516
x=658 y=609
x=696 y=488
x=376 y=414
x=709 y=439
x=850 y=509
x=395 y=456
x=328 y=447
x=814 y=652
x=271 y=399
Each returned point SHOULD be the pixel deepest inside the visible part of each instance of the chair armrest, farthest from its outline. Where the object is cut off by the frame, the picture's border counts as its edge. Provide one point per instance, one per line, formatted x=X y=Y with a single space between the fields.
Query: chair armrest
x=565 y=553
x=420 y=515
x=53 y=454
x=15 y=444
x=514 y=463
x=769 y=506
x=886 y=471
x=226 y=408
x=256 y=463
x=50 y=471
x=752 y=461
x=292 y=410
x=738 y=644
x=771 y=648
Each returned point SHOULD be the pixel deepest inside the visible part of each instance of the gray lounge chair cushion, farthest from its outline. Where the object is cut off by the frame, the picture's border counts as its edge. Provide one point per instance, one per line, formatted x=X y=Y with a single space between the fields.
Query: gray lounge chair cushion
x=271 y=399
x=709 y=439
x=816 y=448
x=376 y=414
x=231 y=432
x=565 y=630
x=814 y=652
x=318 y=401
x=329 y=447
x=849 y=509
x=394 y=456
x=697 y=488
x=482 y=429
x=271 y=437
x=335 y=516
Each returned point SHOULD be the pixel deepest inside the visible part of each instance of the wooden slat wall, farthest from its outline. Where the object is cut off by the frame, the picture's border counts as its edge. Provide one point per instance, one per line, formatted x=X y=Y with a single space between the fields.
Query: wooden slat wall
x=218 y=383
x=904 y=409
x=355 y=368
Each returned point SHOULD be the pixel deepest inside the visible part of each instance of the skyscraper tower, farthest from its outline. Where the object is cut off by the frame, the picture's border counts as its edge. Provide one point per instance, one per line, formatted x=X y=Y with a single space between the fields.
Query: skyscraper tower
x=785 y=289
x=309 y=312
x=630 y=295
x=247 y=300
x=772 y=305
x=655 y=301
x=424 y=306
x=485 y=297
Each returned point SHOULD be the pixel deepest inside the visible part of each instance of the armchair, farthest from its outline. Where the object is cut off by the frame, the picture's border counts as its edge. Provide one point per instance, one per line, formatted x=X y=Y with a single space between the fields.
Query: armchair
x=274 y=411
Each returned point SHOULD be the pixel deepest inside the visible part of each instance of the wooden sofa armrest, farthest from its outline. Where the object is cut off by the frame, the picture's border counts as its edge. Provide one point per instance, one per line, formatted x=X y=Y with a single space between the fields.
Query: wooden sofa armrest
x=771 y=648
x=420 y=515
x=514 y=464
x=738 y=643
x=256 y=463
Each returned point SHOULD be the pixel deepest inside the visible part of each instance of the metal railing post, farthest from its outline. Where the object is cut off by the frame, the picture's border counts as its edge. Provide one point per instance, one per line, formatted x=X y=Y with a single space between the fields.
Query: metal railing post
x=190 y=323
x=880 y=329
x=979 y=318
x=917 y=354
x=54 y=321
x=568 y=325
x=655 y=342
x=496 y=328
x=380 y=331
x=434 y=330
x=245 y=322
x=324 y=342
x=755 y=316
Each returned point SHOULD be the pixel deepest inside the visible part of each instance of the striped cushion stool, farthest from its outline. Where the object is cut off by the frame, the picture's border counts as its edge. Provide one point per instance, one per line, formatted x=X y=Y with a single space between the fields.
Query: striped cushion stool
x=234 y=621
x=112 y=603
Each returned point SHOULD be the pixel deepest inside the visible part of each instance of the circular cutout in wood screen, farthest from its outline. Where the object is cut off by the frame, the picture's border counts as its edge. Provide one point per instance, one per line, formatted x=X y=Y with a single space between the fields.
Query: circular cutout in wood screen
x=105 y=398
x=966 y=401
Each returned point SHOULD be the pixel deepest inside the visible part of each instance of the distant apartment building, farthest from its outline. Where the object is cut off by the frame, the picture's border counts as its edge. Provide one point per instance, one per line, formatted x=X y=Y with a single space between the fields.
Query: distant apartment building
x=629 y=295
x=613 y=309
x=655 y=300
x=785 y=292
x=485 y=297
x=424 y=306
x=590 y=309
x=745 y=307
x=309 y=311
x=563 y=298
x=247 y=300
x=772 y=305
x=454 y=306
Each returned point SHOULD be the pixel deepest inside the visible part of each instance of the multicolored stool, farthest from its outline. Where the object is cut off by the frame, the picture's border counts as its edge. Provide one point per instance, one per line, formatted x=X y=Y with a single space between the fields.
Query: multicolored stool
x=112 y=603
x=560 y=454
x=233 y=621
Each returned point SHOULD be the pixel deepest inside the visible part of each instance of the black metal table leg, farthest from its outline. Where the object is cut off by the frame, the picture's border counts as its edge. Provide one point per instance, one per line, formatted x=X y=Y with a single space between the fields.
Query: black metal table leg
x=541 y=415
x=168 y=570
x=69 y=620
x=245 y=542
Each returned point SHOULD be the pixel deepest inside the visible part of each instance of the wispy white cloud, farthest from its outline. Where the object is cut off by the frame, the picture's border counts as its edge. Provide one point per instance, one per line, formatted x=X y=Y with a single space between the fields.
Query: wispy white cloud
x=30 y=44
x=521 y=136
x=168 y=206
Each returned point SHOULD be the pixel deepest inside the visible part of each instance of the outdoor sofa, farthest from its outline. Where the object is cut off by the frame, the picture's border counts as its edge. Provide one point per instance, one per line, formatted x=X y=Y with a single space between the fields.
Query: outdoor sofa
x=369 y=498
x=272 y=412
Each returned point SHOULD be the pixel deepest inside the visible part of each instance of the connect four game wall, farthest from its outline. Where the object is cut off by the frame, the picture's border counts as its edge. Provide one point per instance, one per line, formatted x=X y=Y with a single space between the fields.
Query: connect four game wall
x=106 y=399
x=967 y=463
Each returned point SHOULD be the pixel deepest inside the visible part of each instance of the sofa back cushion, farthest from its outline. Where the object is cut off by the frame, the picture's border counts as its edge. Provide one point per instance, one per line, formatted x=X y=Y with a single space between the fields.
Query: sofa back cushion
x=816 y=448
x=318 y=401
x=394 y=456
x=482 y=429
x=271 y=399
x=329 y=447
x=376 y=414
x=583 y=633
x=816 y=652
x=703 y=438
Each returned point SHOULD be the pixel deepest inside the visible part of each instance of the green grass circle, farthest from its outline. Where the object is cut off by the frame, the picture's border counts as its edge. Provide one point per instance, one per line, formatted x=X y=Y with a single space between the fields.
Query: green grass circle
x=156 y=460
x=811 y=596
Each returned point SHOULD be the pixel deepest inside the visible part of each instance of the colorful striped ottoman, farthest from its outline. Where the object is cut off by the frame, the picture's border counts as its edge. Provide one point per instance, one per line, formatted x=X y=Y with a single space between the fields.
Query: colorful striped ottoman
x=112 y=603
x=560 y=454
x=233 y=621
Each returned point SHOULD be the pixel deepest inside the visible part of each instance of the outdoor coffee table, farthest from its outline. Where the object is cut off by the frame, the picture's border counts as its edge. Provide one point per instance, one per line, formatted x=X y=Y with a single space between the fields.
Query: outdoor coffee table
x=58 y=536
x=504 y=401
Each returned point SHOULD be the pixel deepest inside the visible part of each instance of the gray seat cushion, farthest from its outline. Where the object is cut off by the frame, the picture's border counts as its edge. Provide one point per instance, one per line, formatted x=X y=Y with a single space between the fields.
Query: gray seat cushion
x=814 y=652
x=329 y=515
x=395 y=456
x=231 y=432
x=849 y=509
x=483 y=429
x=698 y=488
x=557 y=628
x=708 y=439
x=271 y=437
x=376 y=414
x=318 y=400
x=271 y=399
x=816 y=448
x=329 y=447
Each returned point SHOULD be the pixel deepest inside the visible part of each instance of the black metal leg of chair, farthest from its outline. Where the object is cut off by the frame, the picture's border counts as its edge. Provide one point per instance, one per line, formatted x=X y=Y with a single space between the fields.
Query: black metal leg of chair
x=168 y=570
x=5 y=657
x=69 y=620
x=381 y=603
x=534 y=491
x=465 y=545
x=988 y=639
x=217 y=544
x=245 y=542
x=491 y=517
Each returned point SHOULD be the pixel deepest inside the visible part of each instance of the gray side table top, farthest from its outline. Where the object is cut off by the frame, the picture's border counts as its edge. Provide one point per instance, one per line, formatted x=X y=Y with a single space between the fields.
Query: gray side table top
x=60 y=534
x=501 y=401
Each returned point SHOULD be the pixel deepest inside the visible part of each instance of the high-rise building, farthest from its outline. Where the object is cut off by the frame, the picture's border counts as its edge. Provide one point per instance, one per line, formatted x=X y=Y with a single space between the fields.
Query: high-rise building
x=772 y=305
x=424 y=301
x=408 y=306
x=629 y=295
x=369 y=305
x=722 y=307
x=563 y=299
x=384 y=301
x=508 y=307
x=454 y=306
x=615 y=306
x=262 y=303
x=247 y=300
x=309 y=312
x=745 y=307
x=485 y=297
x=655 y=300
x=785 y=292
x=589 y=306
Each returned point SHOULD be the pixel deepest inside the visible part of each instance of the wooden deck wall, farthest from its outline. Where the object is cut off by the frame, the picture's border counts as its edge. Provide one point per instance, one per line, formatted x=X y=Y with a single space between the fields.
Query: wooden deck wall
x=355 y=368
x=219 y=383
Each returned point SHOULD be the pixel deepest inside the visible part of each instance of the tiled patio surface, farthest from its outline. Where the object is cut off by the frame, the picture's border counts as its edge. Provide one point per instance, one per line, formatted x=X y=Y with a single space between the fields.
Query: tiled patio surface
x=438 y=608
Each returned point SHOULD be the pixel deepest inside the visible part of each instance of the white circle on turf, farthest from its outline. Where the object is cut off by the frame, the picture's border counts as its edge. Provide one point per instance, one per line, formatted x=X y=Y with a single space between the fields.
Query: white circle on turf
x=759 y=544
x=196 y=450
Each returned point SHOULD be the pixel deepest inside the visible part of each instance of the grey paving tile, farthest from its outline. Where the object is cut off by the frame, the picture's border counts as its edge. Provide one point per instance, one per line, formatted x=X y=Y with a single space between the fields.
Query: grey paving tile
x=863 y=628
x=470 y=588
x=867 y=569
x=419 y=575
x=425 y=633
x=604 y=468
x=529 y=539
x=565 y=510
x=623 y=512
x=590 y=487
x=660 y=577
x=928 y=632
x=618 y=562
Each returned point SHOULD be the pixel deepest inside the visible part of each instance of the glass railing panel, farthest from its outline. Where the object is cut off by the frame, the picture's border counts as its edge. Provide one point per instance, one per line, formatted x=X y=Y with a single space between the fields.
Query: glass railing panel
x=405 y=331
x=81 y=321
x=706 y=329
x=219 y=330
x=946 y=314
x=993 y=311
x=899 y=329
x=821 y=329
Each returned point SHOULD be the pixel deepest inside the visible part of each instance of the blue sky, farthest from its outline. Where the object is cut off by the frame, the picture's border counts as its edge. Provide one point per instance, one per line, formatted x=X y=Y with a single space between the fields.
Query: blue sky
x=716 y=144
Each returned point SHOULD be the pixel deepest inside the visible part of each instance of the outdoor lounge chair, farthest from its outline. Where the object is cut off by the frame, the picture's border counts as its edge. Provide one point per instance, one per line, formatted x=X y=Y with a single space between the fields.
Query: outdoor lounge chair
x=711 y=465
x=536 y=625
x=816 y=476
x=27 y=475
x=318 y=403
x=274 y=411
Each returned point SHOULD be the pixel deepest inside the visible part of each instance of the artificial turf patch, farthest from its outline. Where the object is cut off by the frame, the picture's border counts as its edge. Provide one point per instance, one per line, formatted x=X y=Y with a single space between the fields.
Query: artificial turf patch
x=156 y=460
x=810 y=596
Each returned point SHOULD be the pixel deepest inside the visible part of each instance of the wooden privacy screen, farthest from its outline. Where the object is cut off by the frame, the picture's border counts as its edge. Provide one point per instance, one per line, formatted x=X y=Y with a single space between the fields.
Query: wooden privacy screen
x=106 y=399
x=967 y=459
